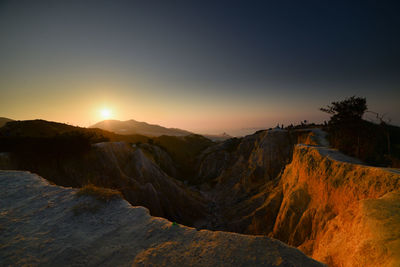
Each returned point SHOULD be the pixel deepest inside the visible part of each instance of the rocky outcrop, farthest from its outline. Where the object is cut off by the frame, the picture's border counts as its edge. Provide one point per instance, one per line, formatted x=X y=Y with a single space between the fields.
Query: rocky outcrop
x=330 y=208
x=246 y=162
x=244 y=172
x=316 y=179
x=161 y=158
x=284 y=184
x=131 y=170
x=241 y=174
x=39 y=227
x=323 y=202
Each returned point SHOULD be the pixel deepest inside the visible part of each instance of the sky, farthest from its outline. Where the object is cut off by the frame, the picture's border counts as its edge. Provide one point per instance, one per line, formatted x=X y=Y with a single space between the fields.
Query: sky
x=203 y=66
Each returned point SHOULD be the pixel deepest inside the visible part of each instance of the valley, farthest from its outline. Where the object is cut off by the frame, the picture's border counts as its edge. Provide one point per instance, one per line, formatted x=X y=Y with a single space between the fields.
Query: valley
x=284 y=184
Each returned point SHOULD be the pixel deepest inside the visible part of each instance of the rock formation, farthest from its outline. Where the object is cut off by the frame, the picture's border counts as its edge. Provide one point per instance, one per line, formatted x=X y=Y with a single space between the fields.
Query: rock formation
x=288 y=185
x=322 y=202
x=132 y=170
x=39 y=227
x=324 y=195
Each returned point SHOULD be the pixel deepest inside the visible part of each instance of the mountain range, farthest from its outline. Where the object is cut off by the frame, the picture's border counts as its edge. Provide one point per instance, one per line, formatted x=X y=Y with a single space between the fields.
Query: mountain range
x=138 y=127
x=125 y=128
x=152 y=130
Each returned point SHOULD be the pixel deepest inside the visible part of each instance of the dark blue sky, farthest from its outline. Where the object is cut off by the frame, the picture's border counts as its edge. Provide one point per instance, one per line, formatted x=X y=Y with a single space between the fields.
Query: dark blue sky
x=277 y=60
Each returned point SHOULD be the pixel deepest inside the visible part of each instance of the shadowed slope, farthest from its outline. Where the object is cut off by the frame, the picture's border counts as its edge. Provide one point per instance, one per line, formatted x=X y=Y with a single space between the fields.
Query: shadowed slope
x=3 y=121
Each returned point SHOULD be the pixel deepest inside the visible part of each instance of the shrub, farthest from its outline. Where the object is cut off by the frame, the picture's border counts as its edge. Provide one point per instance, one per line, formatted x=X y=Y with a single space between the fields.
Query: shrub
x=349 y=110
x=100 y=193
x=375 y=144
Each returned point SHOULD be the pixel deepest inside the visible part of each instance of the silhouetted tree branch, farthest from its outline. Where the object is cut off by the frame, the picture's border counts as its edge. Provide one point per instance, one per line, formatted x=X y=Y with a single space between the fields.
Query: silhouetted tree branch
x=350 y=109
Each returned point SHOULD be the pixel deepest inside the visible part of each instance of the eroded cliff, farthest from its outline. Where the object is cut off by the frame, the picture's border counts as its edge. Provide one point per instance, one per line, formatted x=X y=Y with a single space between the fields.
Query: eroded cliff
x=134 y=171
x=331 y=206
x=288 y=185
x=39 y=227
x=326 y=208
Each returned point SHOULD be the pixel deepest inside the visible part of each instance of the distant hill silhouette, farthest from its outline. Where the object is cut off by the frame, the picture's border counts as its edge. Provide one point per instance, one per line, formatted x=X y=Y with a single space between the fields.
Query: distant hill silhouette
x=151 y=130
x=20 y=135
x=3 y=121
x=36 y=128
x=137 y=127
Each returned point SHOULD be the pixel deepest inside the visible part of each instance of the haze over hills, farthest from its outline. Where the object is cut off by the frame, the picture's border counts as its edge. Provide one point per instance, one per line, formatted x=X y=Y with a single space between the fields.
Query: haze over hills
x=152 y=130
x=137 y=127
x=112 y=129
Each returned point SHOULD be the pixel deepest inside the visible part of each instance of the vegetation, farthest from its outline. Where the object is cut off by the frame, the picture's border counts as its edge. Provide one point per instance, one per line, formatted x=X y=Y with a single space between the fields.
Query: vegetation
x=349 y=110
x=100 y=193
x=375 y=144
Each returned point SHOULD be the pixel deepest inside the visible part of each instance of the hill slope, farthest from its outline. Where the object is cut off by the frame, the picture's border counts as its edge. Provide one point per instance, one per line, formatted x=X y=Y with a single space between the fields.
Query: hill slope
x=137 y=127
x=49 y=129
x=3 y=121
x=42 y=229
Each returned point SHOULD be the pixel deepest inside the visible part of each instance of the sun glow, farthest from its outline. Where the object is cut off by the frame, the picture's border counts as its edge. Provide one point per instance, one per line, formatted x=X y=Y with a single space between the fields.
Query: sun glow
x=105 y=113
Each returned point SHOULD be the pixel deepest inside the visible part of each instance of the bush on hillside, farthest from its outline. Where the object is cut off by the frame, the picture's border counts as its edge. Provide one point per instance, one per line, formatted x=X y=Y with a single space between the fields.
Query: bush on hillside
x=349 y=110
x=372 y=143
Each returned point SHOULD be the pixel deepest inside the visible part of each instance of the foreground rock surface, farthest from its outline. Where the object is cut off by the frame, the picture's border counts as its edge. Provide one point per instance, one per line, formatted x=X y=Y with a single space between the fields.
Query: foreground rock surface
x=42 y=224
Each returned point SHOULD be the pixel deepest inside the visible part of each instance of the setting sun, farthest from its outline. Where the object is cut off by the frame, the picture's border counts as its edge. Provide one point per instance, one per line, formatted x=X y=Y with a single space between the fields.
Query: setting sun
x=105 y=113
